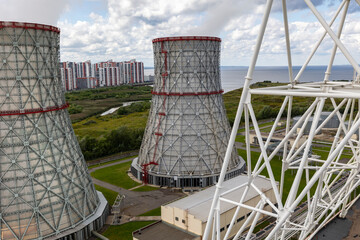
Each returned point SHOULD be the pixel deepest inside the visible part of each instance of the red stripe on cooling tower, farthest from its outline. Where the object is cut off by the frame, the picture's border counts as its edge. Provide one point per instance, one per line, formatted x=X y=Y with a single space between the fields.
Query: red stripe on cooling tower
x=187 y=38
x=186 y=93
x=29 y=26
x=33 y=111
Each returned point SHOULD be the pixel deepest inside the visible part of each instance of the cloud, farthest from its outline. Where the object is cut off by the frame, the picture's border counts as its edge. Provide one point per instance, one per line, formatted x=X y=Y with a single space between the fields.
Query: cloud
x=36 y=11
x=220 y=14
x=300 y=4
x=127 y=29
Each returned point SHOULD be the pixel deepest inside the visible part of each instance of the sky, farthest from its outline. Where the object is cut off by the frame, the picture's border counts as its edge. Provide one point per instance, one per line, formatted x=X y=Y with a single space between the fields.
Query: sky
x=100 y=30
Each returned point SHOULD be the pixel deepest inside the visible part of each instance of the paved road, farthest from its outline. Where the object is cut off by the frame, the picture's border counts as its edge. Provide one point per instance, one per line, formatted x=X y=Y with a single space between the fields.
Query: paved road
x=136 y=203
x=110 y=164
x=346 y=229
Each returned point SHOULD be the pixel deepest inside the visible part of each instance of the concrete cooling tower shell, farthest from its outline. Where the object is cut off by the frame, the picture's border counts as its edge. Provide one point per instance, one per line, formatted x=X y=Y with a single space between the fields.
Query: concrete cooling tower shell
x=46 y=191
x=187 y=130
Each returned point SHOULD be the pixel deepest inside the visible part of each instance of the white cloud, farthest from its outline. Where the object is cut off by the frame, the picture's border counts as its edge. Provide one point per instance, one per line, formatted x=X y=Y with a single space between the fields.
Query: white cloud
x=36 y=11
x=127 y=28
x=130 y=25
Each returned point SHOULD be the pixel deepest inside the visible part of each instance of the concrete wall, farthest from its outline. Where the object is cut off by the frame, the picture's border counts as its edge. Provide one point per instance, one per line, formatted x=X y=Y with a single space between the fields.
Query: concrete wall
x=176 y=216
x=167 y=214
x=180 y=218
x=227 y=216
x=195 y=225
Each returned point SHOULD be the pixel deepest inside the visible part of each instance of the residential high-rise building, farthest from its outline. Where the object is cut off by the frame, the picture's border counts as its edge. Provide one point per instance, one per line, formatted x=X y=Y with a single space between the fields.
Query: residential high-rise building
x=133 y=72
x=68 y=75
x=102 y=74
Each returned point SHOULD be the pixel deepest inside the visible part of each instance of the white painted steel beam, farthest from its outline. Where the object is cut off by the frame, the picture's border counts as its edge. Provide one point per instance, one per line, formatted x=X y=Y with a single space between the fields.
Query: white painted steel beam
x=300 y=213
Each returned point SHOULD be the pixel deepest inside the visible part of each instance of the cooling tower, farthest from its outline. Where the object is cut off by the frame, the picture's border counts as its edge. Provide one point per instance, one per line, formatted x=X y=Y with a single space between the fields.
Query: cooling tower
x=187 y=130
x=45 y=189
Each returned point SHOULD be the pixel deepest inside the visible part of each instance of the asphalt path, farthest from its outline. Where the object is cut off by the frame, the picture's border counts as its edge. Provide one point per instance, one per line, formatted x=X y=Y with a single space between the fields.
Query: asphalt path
x=346 y=229
x=136 y=203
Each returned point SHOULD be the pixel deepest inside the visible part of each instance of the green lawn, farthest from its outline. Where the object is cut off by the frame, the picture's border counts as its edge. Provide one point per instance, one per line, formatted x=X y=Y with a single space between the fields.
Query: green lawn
x=276 y=165
x=154 y=212
x=116 y=175
x=98 y=127
x=145 y=189
x=124 y=231
x=260 y=125
x=106 y=163
x=108 y=194
x=240 y=138
x=96 y=101
x=324 y=152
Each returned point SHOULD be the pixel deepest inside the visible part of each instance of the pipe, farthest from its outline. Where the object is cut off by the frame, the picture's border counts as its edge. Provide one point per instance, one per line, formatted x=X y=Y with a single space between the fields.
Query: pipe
x=99 y=235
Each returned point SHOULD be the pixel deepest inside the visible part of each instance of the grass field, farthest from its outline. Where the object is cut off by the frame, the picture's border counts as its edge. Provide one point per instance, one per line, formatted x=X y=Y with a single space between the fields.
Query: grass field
x=114 y=161
x=98 y=127
x=145 y=189
x=324 y=152
x=154 y=212
x=96 y=101
x=124 y=231
x=108 y=194
x=276 y=165
x=116 y=175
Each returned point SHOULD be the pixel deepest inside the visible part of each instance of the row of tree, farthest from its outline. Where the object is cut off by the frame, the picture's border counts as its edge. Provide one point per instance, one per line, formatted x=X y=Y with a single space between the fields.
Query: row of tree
x=119 y=140
x=134 y=107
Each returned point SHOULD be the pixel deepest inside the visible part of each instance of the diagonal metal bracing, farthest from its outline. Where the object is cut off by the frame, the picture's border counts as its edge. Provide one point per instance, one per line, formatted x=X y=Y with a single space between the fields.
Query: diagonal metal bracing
x=187 y=130
x=43 y=180
x=323 y=185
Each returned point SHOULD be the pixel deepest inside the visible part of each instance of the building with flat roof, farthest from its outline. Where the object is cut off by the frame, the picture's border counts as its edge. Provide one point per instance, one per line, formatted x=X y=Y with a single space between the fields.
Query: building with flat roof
x=190 y=213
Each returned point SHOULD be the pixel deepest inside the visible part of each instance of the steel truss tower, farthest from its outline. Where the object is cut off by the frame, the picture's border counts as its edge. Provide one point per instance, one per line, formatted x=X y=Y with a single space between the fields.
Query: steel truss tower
x=187 y=131
x=45 y=189
x=321 y=187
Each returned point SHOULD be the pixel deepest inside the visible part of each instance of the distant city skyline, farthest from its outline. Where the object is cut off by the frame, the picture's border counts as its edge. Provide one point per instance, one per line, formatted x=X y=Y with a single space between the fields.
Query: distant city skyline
x=97 y=30
x=83 y=75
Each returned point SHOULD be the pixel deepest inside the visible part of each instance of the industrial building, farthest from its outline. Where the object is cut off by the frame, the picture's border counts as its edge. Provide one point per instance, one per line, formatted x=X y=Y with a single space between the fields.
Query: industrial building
x=187 y=130
x=45 y=188
x=333 y=123
x=189 y=215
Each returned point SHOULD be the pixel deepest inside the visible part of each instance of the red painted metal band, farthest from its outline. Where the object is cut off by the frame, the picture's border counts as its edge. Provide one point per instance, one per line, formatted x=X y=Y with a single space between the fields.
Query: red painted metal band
x=150 y=163
x=187 y=93
x=33 y=111
x=29 y=26
x=186 y=38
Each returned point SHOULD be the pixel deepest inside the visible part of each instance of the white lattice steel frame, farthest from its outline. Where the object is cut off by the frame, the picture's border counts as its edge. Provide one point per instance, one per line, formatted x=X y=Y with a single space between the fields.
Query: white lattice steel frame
x=187 y=129
x=329 y=182
x=45 y=188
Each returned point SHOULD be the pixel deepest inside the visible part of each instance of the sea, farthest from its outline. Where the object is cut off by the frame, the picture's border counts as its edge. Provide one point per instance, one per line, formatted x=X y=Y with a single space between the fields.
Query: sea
x=233 y=77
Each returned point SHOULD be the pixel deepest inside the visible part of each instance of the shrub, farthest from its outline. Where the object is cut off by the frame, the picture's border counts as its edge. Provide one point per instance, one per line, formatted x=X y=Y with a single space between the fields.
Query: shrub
x=134 y=107
x=73 y=108
x=120 y=140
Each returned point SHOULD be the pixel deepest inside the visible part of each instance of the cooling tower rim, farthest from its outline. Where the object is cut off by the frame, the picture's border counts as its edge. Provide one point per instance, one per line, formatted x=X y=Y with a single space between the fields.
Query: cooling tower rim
x=187 y=38
x=27 y=25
